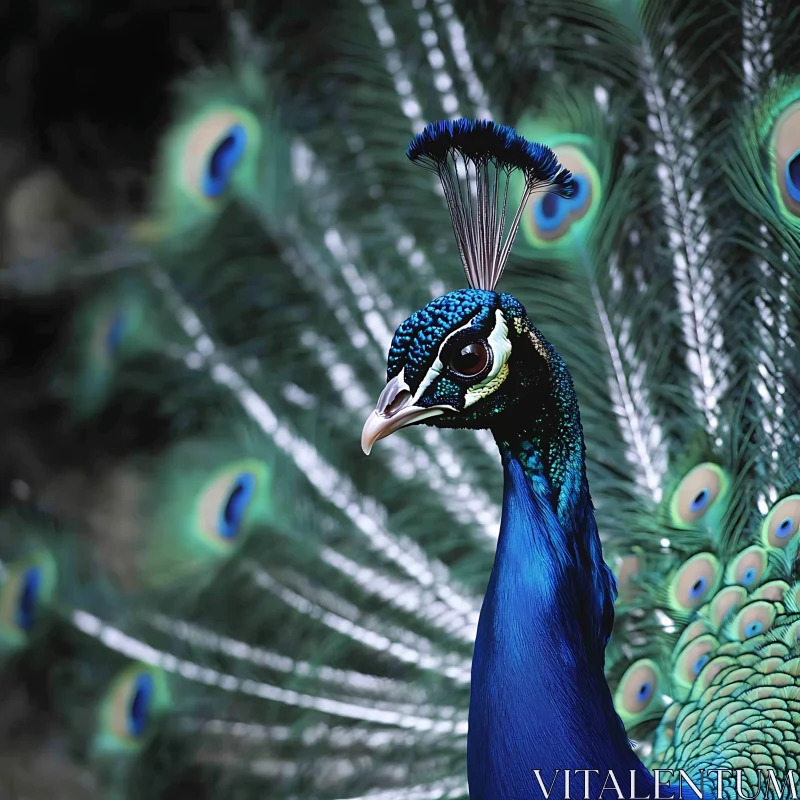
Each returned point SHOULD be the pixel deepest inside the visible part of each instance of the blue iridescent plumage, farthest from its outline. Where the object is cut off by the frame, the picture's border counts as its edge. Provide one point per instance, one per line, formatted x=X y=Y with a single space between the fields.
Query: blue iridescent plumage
x=539 y=701
x=485 y=142
x=138 y=712
x=539 y=698
x=217 y=175
x=235 y=507
x=537 y=676
x=28 y=597
x=415 y=343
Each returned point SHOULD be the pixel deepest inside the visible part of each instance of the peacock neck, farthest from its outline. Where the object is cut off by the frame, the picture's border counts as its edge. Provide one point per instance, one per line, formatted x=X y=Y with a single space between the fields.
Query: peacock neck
x=539 y=698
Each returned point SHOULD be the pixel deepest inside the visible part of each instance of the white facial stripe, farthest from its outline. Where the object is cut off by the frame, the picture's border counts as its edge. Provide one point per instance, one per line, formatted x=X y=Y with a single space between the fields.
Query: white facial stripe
x=402 y=380
x=436 y=370
x=431 y=375
x=501 y=349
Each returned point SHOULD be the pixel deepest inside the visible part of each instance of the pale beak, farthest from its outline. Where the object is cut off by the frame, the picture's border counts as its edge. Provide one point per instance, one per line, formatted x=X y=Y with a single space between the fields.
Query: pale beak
x=394 y=412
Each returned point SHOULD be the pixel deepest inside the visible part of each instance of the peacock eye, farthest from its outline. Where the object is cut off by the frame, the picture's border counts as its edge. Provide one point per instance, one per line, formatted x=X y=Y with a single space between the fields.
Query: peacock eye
x=694 y=581
x=700 y=663
x=225 y=504
x=697 y=493
x=636 y=691
x=551 y=218
x=28 y=597
x=215 y=149
x=131 y=705
x=552 y=215
x=108 y=336
x=725 y=601
x=470 y=360
x=627 y=571
x=782 y=522
x=115 y=334
x=792 y=175
x=754 y=619
x=786 y=156
x=700 y=501
x=25 y=590
x=693 y=657
x=748 y=567
x=199 y=517
x=223 y=160
x=233 y=511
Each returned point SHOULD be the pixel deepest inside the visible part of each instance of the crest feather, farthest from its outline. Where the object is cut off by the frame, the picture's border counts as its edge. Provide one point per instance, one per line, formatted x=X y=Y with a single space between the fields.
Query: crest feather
x=474 y=160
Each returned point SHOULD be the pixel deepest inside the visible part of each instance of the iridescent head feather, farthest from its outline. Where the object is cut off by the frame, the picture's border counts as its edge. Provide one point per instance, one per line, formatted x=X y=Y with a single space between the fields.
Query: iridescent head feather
x=474 y=160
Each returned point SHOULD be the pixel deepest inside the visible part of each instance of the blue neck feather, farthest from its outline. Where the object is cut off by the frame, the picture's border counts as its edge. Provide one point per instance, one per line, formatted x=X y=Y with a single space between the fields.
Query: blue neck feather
x=539 y=698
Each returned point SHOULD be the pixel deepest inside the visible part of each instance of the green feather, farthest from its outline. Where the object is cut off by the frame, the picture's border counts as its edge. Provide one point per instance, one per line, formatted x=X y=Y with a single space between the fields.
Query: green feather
x=128 y=710
x=225 y=144
x=28 y=586
x=197 y=509
x=117 y=321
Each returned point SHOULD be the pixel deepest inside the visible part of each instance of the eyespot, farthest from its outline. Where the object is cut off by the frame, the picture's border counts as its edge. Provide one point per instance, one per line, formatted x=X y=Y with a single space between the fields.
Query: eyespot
x=693 y=658
x=215 y=149
x=637 y=690
x=138 y=710
x=116 y=332
x=697 y=493
x=748 y=568
x=470 y=360
x=549 y=217
x=109 y=336
x=700 y=663
x=28 y=598
x=695 y=581
x=781 y=524
x=197 y=517
x=786 y=148
x=224 y=505
x=550 y=211
x=222 y=160
x=130 y=707
x=754 y=619
x=26 y=588
x=725 y=601
x=112 y=325
x=235 y=506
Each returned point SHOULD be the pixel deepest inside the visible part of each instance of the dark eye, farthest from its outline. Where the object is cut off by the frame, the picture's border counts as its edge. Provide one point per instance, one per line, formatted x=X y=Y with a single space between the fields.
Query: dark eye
x=470 y=360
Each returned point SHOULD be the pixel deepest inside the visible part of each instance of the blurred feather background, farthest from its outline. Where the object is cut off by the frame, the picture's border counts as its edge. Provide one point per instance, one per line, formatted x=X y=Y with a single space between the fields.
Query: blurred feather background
x=209 y=233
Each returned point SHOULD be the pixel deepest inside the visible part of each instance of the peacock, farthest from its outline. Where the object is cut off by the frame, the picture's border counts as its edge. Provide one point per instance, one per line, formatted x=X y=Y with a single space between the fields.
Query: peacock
x=208 y=590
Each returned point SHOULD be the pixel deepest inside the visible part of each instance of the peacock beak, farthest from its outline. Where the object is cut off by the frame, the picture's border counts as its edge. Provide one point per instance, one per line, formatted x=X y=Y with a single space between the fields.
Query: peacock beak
x=394 y=411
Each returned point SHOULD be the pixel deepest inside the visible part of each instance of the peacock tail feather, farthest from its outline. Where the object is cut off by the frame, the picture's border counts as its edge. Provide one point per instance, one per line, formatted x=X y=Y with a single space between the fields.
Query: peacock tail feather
x=205 y=586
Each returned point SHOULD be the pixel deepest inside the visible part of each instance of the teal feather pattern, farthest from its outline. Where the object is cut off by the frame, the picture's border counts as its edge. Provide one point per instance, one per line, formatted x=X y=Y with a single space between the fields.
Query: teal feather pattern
x=208 y=591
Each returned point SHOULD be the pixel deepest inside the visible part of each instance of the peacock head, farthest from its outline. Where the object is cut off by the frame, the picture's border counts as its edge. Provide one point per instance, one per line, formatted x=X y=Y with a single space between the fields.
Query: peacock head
x=469 y=357
x=465 y=360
